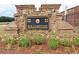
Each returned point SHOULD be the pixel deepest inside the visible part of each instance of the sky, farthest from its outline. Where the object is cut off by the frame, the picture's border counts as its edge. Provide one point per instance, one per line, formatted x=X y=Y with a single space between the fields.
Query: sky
x=7 y=7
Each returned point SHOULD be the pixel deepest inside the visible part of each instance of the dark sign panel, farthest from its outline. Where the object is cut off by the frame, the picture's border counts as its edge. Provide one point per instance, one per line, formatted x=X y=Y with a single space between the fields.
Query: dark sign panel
x=40 y=23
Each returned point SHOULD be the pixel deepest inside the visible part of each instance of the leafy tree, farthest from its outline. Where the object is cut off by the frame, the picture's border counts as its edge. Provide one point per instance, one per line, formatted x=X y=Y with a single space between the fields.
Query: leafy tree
x=6 y=19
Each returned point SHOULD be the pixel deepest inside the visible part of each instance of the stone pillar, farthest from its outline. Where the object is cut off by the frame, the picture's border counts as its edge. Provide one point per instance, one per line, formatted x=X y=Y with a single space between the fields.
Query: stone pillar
x=20 y=21
x=53 y=22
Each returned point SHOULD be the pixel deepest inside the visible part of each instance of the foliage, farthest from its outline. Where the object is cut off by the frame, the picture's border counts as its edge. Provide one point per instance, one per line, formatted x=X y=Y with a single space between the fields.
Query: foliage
x=24 y=41
x=76 y=41
x=53 y=43
x=68 y=50
x=66 y=42
x=9 y=41
x=37 y=39
x=6 y=19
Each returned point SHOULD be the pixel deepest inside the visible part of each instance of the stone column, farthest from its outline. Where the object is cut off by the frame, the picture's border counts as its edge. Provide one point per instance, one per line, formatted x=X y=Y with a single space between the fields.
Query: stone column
x=20 y=21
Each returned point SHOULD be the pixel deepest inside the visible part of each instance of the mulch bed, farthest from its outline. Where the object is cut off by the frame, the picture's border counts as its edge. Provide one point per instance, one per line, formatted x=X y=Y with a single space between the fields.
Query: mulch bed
x=34 y=49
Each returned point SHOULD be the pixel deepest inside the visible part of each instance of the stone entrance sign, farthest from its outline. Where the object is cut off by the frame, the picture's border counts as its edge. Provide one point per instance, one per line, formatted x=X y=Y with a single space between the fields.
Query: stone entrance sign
x=47 y=19
x=27 y=18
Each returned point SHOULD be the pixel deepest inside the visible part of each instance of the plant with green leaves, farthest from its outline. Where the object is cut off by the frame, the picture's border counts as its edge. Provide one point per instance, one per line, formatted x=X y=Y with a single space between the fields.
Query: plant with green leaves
x=76 y=41
x=38 y=39
x=24 y=41
x=66 y=42
x=9 y=41
x=53 y=43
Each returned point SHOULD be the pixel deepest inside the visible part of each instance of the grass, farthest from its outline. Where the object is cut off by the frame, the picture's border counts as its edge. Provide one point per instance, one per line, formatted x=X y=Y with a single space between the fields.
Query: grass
x=68 y=50
x=76 y=41
x=24 y=41
x=53 y=43
x=38 y=39
x=9 y=41
x=66 y=42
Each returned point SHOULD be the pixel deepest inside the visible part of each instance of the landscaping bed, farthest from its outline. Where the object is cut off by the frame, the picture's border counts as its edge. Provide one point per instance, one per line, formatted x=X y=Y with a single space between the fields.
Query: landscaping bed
x=39 y=45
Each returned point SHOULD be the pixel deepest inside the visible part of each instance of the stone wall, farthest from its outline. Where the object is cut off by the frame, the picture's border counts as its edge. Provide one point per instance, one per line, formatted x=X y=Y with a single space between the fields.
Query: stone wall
x=56 y=25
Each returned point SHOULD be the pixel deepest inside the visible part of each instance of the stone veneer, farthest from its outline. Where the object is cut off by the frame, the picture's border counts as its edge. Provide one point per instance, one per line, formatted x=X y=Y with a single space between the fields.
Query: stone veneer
x=56 y=25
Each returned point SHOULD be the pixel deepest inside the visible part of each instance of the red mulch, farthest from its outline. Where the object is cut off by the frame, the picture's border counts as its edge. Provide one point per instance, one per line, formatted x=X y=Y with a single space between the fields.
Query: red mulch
x=31 y=49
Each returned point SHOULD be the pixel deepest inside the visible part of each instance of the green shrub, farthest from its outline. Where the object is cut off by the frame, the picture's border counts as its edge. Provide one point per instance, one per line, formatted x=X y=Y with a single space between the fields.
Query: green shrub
x=76 y=41
x=38 y=39
x=24 y=41
x=53 y=43
x=66 y=42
